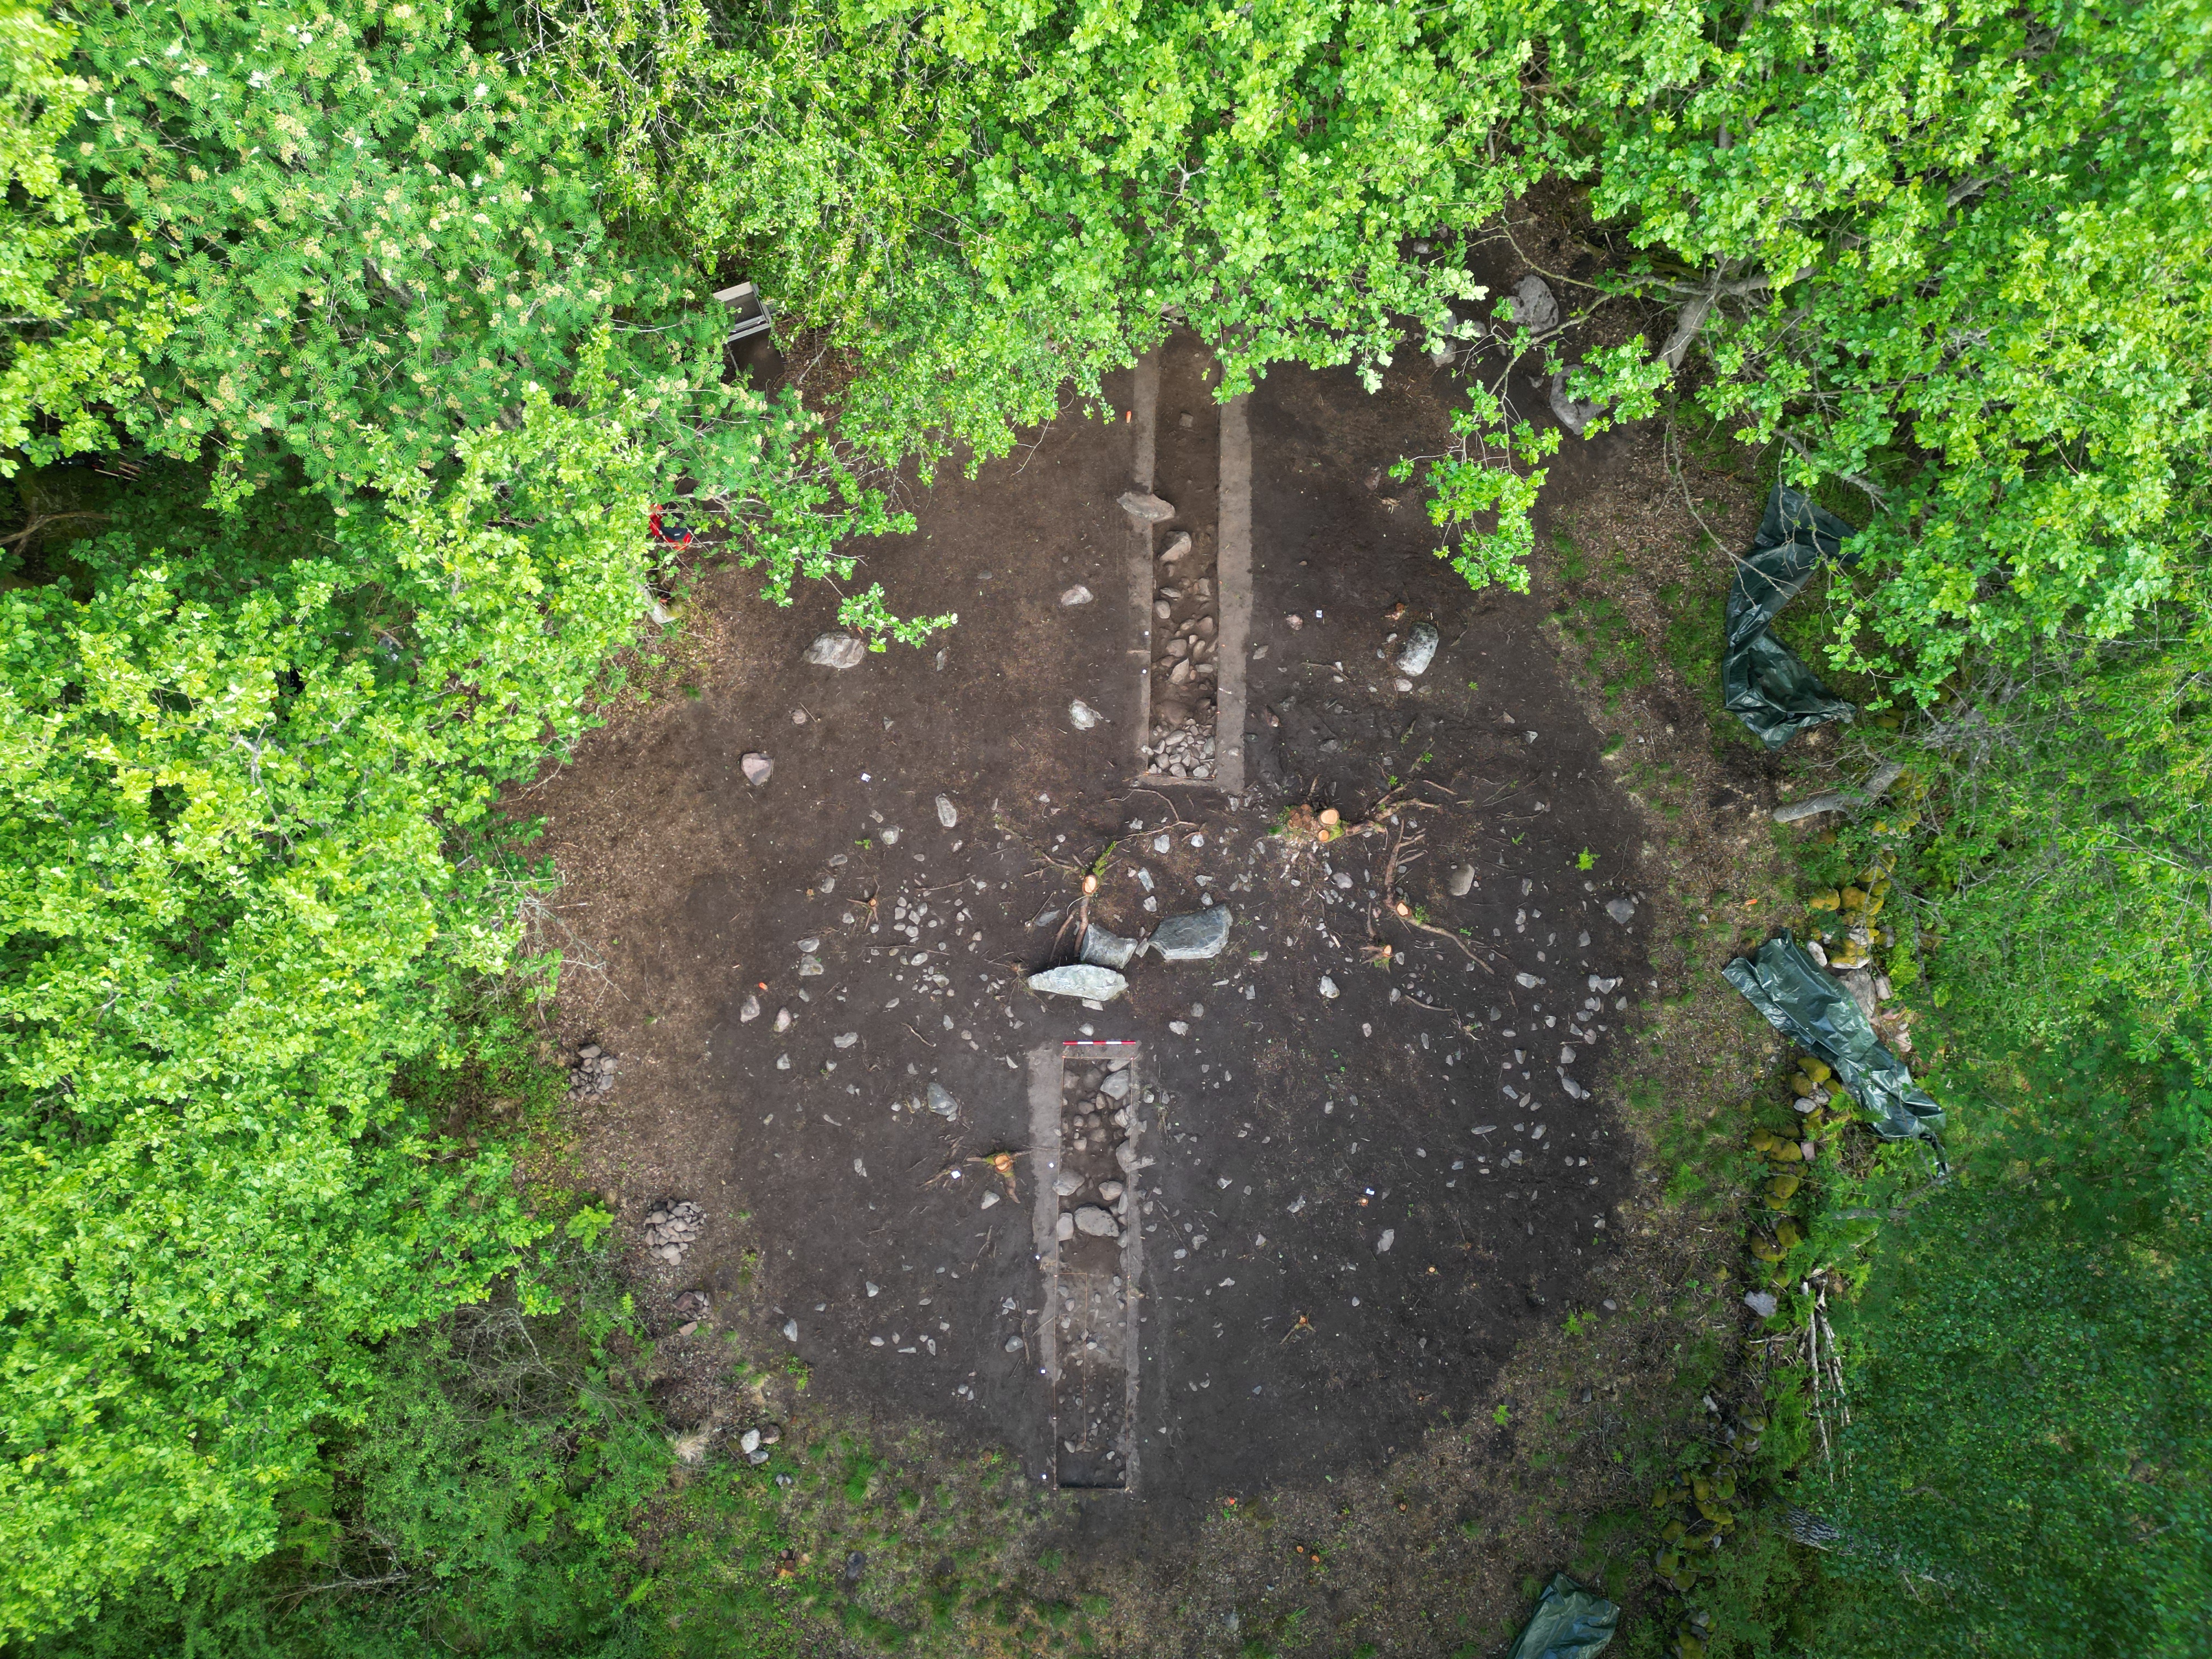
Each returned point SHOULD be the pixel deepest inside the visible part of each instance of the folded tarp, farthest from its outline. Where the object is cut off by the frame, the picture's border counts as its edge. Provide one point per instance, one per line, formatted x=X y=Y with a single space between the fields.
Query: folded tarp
x=1802 y=1000
x=1765 y=684
x=1570 y=1623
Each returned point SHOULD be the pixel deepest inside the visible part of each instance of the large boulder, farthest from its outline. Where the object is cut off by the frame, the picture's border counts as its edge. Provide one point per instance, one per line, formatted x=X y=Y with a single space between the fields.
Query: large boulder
x=1198 y=937
x=1082 y=978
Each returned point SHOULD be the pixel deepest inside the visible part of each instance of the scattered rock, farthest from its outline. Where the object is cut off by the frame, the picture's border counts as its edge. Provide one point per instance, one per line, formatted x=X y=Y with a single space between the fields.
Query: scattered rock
x=1097 y=1223
x=749 y=1440
x=1419 y=649
x=1110 y=1191
x=1067 y=1184
x=942 y=1103
x=1078 y=594
x=758 y=769
x=947 y=813
x=1622 y=910
x=1013 y=1344
x=1534 y=307
x=1082 y=979
x=692 y=1304
x=1328 y=986
x=669 y=1228
x=1382 y=1244
x=783 y=1021
x=1177 y=548
x=810 y=967
x=844 y=1039
x=1575 y=1090
x=1198 y=937
x=1761 y=1302
x=836 y=651
x=1184 y=751
x=791 y=1330
x=1064 y=1229
x=1462 y=880
x=1145 y=507
x=749 y=1010
x=1116 y=1085
x=1527 y=981
x=1103 y=950
x=1603 y=986
x=1082 y=716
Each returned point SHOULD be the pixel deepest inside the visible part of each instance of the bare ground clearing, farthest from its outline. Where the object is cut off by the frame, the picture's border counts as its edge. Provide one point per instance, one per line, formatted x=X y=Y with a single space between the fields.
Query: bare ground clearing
x=1367 y=1215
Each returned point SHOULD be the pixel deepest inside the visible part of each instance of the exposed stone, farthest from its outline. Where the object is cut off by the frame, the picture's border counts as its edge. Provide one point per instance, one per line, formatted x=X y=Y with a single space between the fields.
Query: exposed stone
x=1097 y=1223
x=1103 y=950
x=1622 y=910
x=757 y=768
x=1067 y=1184
x=1534 y=307
x=1081 y=715
x=1078 y=594
x=1761 y=1302
x=1198 y=937
x=1329 y=987
x=1419 y=649
x=947 y=813
x=836 y=651
x=1860 y=983
x=1146 y=507
x=1082 y=980
x=1527 y=981
x=1064 y=1229
x=942 y=1103
x=1116 y=1085
x=749 y=1010
x=1462 y=880
x=1175 y=549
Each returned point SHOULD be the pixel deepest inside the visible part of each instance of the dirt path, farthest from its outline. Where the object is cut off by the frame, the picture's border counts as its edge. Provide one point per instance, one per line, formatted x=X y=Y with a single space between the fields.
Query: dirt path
x=1357 y=1203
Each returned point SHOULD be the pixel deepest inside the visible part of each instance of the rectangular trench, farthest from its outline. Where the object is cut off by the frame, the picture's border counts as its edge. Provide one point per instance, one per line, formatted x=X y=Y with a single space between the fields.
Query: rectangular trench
x=1086 y=1109
x=1191 y=575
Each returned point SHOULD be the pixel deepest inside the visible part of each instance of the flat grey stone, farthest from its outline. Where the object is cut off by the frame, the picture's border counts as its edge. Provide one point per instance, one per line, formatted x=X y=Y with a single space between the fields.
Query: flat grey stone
x=1078 y=594
x=1527 y=981
x=1116 y=1085
x=1139 y=504
x=1175 y=549
x=947 y=813
x=1418 y=648
x=942 y=1103
x=1197 y=937
x=1461 y=879
x=757 y=768
x=1761 y=1302
x=749 y=1010
x=1622 y=910
x=1097 y=1223
x=1103 y=950
x=836 y=651
x=1328 y=986
x=1013 y=1345
x=1081 y=715
x=1067 y=1184
x=1082 y=978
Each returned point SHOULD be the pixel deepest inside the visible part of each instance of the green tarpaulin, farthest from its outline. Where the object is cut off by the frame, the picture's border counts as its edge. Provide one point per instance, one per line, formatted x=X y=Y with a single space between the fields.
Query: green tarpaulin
x=1766 y=684
x=1570 y=1623
x=1802 y=1000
